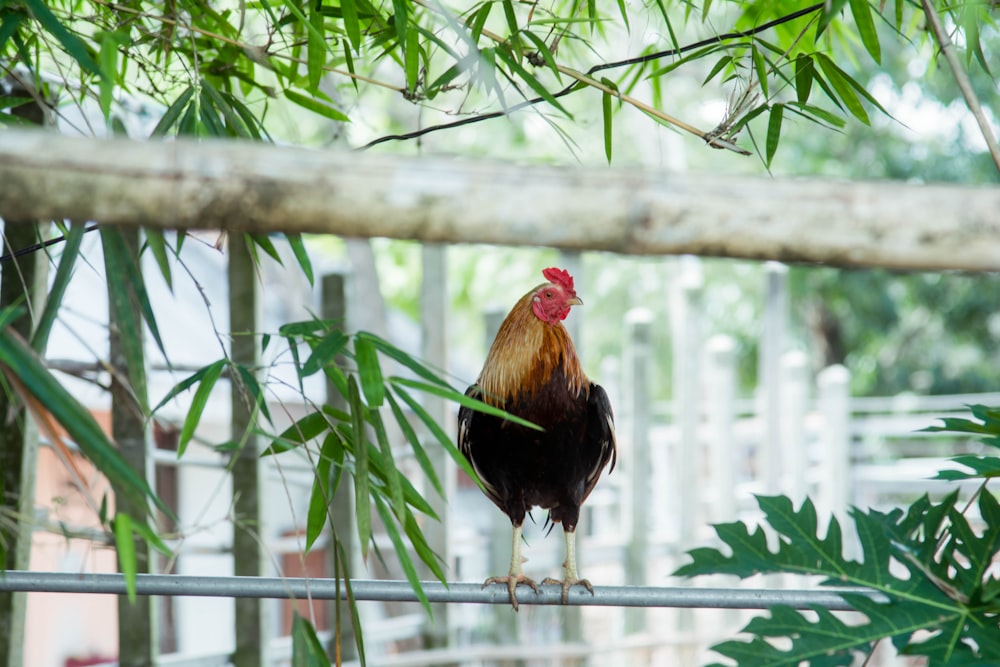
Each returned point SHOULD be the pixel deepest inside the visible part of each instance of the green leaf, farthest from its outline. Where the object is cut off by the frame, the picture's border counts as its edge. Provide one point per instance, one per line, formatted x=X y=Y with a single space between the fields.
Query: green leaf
x=173 y=113
x=70 y=253
x=323 y=490
x=125 y=546
x=983 y=467
x=301 y=432
x=478 y=21
x=313 y=105
x=543 y=50
x=401 y=552
x=108 y=57
x=773 y=131
x=927 y=561
x=760 y=67
x=122 y=292
x=252 y=385
x=401 y=357
x=532 y=82
x=158 y=246
x=844 y=86
x=315 y=46
x=299 y=250
x=419 y=453
x=361 y=492
x=369 y=371
x=607 y=111
x=325 y=352
x=307 y=650
x=351 y=23
x=460 y=398
x=831 y=9
x=438 y=433
x=392 y=473
x=74 y=46
x=210 y=374
x=865 y=24
x=803 y=78
x=19 y=361
x=411 y=61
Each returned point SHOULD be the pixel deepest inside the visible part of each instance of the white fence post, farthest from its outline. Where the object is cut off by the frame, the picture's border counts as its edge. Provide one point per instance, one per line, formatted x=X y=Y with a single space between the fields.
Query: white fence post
x=771 y=348
x=834 y=400
x=638 y=323
x=794 y=406
x=720 y=393
x=685 y=316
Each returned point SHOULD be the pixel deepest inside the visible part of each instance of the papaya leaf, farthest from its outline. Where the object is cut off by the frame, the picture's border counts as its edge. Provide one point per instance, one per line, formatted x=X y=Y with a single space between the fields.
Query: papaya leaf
x=931 y=567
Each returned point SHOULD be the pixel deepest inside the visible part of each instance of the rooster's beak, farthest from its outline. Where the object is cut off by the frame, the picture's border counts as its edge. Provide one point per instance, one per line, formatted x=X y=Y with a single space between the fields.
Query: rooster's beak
x=575 y=301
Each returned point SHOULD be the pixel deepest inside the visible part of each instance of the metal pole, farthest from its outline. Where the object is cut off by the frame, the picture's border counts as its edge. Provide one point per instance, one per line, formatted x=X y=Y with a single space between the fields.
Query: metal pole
x=401 y=591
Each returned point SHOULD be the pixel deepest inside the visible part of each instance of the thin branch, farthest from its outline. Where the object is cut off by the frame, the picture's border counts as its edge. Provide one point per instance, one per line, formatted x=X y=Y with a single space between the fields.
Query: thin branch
x=716 y=142
x=962 y=79
x=598 y=68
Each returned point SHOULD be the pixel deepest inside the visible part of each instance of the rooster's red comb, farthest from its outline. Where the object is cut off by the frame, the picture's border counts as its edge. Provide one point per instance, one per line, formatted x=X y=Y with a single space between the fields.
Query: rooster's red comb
x=559 y=277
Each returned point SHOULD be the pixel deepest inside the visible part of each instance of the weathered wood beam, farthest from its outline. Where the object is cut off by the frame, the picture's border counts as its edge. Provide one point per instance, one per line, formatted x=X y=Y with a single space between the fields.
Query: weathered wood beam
x=253 y=187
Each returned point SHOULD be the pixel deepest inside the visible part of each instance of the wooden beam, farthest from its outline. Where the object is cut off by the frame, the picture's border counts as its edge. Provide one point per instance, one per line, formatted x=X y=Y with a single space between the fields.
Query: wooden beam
x=254 y=187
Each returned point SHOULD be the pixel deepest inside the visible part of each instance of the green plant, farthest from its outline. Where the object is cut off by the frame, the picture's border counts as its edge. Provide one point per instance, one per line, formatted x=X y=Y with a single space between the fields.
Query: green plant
x=934 y=563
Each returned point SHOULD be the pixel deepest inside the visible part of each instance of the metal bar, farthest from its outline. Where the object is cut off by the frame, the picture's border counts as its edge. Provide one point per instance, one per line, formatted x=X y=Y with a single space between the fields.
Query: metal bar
x=401 y=591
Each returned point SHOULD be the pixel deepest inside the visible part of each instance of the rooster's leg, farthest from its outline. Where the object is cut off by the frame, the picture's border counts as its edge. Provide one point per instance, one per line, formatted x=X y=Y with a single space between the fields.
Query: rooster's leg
x=516 y=576
x=572 y=576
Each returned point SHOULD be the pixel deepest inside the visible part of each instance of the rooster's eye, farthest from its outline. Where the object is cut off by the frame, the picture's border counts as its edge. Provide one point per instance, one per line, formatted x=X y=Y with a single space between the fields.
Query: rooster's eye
x=548 y=295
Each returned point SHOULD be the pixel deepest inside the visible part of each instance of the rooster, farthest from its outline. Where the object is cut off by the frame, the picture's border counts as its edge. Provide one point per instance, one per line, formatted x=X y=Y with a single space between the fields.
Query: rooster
x=532 y=371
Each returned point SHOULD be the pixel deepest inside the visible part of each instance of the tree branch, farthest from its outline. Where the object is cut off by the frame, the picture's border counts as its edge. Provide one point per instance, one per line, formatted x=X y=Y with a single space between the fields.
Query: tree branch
x=598 y=68
x=962 y=79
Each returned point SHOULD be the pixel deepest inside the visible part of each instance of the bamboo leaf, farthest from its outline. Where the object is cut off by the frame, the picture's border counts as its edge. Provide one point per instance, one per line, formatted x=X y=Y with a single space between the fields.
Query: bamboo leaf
x=773 y=131
x=401 y=553
x=299 y=433
x=352 y=606
x=324 y=353
x=198 y=403
x=401 y=357
x=352 y=25
x=125 y=547
x=831 y=9
x=73 y=45
x=419 y=453
x=323 y=490
x=157 y=243
x=315 y=46
x=173 y=112
x=121 y=295
x=460 y=398
x=316 y=107
x=70 y=253
x=529 y=79
x=803 y=78
x=252 y=385
x=411 y=61
x=299 y=250
x=760 y=67
x=361 y=490
x=392 y=473
x=307 y=650
x=369 y=371
x=438 y=433
x=844 y=87
x=865 y=24
x=606 y=110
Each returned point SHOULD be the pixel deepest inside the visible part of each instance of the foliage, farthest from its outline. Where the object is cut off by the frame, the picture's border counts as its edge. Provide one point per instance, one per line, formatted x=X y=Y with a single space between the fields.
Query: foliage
x=239 y=72
x=932 y=564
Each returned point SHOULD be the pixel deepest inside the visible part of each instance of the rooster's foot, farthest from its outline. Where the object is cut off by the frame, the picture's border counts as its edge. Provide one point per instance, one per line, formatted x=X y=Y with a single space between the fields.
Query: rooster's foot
x=568 y=583
x=512 y=580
